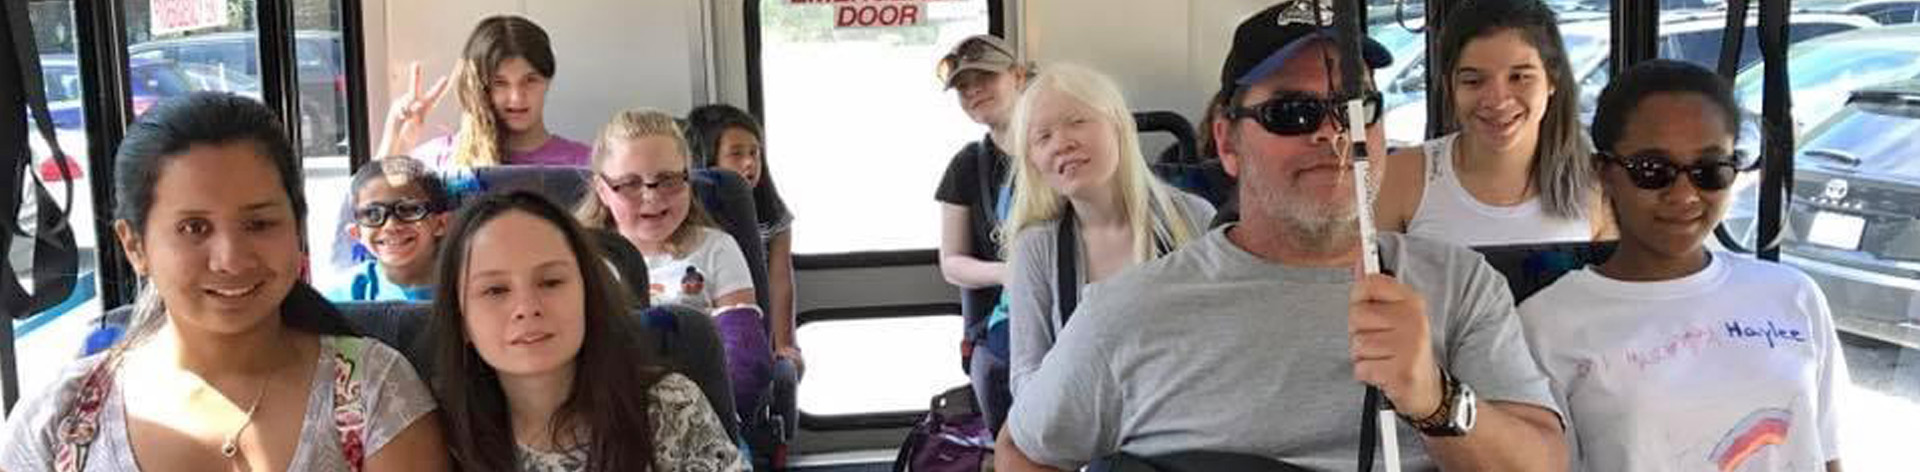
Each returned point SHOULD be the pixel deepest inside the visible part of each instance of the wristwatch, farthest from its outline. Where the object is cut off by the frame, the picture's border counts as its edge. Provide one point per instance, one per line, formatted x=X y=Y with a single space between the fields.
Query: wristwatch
x=1456 y=414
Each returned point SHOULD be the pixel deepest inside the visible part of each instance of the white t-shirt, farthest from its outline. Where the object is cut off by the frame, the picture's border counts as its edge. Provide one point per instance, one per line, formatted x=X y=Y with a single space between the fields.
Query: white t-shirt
x=1736 y=367
x=713 y=268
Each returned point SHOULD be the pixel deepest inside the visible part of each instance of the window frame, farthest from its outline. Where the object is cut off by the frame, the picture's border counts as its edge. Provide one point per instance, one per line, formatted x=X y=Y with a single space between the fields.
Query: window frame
x=756 y=104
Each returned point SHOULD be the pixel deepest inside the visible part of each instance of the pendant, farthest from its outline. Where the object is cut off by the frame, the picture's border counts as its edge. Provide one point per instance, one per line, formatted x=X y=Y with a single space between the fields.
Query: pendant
x=228 y=450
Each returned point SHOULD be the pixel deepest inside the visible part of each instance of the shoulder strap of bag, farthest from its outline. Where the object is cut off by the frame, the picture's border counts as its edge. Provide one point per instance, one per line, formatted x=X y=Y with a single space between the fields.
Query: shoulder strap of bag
x=1066 y=249
x=989 y=189
x=81 y=425
x=349 y=417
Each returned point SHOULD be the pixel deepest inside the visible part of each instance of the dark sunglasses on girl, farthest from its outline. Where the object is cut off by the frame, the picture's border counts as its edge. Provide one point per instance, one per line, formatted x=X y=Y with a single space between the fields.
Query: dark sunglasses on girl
x=1652 y=172
x=375 y=214
x=1294 y=114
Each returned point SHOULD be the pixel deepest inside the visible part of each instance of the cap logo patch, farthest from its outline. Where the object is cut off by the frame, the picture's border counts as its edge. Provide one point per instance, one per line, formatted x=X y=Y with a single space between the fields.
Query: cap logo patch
x=1302 y=12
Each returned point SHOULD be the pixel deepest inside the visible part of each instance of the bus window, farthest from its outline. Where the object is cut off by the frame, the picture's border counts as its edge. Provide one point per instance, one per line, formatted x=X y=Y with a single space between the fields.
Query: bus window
x=919 y=361
x=1853 y=86
x=321 y=80
x=58 y=332
x=859 y=129
x=1584 y=31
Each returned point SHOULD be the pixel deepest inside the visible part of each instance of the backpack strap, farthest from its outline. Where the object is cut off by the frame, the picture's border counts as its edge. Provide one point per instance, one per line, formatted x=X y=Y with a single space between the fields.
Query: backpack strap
x=989 y=189
x=349 y=416
x=54 y=253
x=1066 y=250
x=81 y=425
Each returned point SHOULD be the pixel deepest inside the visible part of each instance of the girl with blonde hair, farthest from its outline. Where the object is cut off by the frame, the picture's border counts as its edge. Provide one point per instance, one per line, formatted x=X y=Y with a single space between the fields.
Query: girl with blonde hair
x=641 y=170
x=1080 y=170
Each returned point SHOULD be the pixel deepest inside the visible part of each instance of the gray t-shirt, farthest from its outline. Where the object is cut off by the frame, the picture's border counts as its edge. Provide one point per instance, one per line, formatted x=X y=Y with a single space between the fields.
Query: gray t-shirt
x=1034 y=282
x=1211 y=348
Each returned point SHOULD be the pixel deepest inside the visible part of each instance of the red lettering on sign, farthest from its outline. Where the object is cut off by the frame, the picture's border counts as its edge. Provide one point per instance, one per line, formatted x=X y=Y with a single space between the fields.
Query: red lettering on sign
x=897 y=14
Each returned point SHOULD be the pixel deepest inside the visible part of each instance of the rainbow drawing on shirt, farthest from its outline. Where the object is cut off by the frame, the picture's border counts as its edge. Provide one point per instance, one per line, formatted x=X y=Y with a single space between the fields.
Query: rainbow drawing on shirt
x=1767 y=427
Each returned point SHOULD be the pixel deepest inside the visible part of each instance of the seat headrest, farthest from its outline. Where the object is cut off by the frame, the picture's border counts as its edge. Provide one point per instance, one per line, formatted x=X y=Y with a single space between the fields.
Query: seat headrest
x=1531 y=267
x=627 y=262
x=564 y=185
x=729 y=200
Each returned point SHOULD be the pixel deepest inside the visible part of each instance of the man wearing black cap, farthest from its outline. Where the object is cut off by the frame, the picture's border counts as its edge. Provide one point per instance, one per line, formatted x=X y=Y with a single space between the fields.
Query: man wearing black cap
x=1257 y=339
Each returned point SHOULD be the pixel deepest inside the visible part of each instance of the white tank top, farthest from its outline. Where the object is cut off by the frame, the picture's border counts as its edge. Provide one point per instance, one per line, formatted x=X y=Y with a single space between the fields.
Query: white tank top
x=1449 y=213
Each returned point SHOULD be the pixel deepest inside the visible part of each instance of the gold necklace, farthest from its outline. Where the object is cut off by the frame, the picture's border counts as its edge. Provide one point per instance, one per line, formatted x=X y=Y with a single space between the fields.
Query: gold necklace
x=229 y=448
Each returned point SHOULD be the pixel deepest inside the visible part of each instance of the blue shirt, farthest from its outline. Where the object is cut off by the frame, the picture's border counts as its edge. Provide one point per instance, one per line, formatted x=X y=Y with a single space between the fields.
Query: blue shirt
x=370 y=283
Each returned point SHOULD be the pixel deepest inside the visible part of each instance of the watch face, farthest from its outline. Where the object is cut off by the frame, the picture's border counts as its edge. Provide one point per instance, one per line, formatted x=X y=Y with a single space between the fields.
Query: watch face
x=1464 y=412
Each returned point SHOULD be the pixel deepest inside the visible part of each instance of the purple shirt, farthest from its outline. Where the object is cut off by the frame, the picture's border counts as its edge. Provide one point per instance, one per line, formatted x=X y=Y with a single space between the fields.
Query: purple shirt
x=557 y=151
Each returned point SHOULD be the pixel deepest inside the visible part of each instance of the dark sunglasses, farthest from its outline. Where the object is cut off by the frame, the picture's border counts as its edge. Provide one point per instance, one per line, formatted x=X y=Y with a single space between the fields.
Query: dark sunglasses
x=1652 y=172
x=667 y=183
x=972 y=50
x=1298 y=114
x=375 y=214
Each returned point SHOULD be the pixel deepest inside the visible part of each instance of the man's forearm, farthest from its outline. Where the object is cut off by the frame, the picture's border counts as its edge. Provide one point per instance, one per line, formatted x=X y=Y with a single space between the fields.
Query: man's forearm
x=1506 y=436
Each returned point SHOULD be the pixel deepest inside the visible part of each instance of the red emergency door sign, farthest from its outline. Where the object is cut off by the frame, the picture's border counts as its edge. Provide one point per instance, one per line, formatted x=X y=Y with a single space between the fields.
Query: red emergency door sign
x=878 y=14
x=874 y=13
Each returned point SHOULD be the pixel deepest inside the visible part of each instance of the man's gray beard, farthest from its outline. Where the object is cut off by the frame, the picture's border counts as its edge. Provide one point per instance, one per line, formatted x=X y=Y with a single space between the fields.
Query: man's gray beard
x=1319 y=227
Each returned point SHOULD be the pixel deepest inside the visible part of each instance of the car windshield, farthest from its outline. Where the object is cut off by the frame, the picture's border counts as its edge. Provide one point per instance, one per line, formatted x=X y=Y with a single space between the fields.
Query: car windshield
x=62 y=83
x=161 y=80
x=1822 y=75
x=1861 y=135
x=1397 y=39
x=1582 y=48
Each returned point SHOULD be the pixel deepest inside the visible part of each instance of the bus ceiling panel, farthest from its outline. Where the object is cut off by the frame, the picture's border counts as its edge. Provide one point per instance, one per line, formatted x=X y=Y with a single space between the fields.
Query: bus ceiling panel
x=1165 y=54
x=610 y=56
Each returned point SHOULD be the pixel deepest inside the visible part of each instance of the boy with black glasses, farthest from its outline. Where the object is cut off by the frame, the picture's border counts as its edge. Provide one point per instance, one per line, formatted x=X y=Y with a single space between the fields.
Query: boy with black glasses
x=399 y=214
x=1669 y=356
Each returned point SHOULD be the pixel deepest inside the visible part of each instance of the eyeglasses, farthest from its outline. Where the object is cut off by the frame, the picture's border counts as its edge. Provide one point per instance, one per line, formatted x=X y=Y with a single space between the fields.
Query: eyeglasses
x=969 y=51
x=1298 y=114
x=375 y=214
x=1652 y=172
x=666 y=183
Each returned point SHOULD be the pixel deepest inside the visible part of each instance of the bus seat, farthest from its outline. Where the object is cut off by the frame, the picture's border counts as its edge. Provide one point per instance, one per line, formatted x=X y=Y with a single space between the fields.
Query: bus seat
x=1207 y=179
x=627 y=263
x=729 y=200
x=1531 y=267
x=687 y=341
x=1185 y=461
x=1181 y=165
x=563 y=185
x=1186 y=147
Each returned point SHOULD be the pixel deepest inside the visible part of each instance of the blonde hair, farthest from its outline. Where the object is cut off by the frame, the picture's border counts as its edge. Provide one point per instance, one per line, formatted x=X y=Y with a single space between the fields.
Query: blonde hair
x=1147 y=203
x=631 y=125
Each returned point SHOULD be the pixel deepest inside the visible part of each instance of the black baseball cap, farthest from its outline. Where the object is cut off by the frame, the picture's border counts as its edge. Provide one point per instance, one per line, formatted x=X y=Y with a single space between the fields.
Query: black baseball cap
x=1264 y=41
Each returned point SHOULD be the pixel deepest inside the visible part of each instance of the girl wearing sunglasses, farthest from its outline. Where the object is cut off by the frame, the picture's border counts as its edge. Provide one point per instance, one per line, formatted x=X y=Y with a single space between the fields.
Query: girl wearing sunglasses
x=1669 y=356
x=1516 y=168
x=399 y=215
x=1080 y=165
